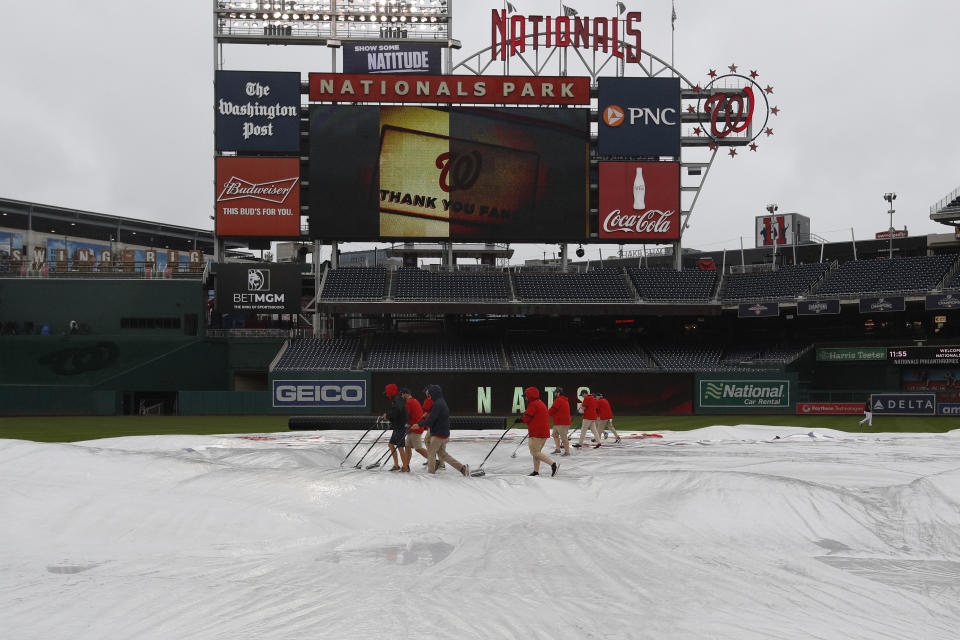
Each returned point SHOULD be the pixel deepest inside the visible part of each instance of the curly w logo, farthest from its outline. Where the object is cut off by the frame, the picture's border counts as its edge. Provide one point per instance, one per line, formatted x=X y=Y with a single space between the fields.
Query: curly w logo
x=714 y=390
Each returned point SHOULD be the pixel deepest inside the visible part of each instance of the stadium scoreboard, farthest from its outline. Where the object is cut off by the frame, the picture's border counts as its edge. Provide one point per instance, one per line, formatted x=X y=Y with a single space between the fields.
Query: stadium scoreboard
x=929 y=355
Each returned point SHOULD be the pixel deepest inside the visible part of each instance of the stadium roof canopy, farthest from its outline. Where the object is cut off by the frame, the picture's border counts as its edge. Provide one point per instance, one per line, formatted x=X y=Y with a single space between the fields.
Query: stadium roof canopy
x=16 y=214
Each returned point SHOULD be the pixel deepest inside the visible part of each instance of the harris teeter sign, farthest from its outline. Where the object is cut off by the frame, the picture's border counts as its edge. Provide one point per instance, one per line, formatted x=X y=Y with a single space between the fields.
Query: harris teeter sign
x=744 y=394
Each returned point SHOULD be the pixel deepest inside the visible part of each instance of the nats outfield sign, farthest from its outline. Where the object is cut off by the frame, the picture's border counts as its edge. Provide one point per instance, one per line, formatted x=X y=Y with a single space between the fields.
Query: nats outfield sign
x=411 y=89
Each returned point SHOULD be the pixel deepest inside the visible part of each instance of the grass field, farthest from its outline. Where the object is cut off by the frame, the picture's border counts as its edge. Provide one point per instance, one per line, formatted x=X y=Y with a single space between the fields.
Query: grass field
x=73 y=429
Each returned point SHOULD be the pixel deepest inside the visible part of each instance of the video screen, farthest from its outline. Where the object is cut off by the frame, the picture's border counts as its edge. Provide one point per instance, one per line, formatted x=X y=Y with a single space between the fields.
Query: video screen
x=392 y=172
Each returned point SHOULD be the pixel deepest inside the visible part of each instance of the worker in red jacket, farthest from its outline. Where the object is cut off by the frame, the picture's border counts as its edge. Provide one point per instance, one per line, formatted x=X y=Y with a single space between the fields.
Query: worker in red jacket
x=538 y=428
x=560 y=413
x=605 y=416
x=414 y=430
x=588 y=407
x=427 y=405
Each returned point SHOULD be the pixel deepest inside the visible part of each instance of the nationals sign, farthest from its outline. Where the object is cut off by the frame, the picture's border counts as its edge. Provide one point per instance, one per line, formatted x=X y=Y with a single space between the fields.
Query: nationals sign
x=640 y=201
x=411 y=89
x=258 y=197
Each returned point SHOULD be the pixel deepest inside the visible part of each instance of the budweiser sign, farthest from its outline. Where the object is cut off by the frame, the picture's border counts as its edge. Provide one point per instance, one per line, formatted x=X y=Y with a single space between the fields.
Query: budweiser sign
x=275 y=191
x=640 y=201
x=258 y=197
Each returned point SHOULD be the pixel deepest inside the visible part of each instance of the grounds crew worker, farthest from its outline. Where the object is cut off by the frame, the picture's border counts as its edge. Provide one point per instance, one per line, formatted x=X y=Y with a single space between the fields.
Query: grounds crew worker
x=588 y=407
x=538 y=428
x=605 y=416
x=414 y=429
x=439 y=424
x=560 y=412
x=397 y=415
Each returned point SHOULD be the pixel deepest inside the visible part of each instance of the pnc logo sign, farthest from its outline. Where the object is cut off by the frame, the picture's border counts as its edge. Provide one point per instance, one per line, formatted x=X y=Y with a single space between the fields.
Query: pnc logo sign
x=613 y=115
x=639 y=117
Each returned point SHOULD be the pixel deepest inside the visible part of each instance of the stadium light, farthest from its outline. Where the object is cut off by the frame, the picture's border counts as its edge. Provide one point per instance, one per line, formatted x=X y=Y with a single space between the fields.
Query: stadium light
x=890 y=197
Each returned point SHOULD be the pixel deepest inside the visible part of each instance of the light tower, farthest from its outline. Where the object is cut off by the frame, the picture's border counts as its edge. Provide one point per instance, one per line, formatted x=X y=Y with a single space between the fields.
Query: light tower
x=772 y=209
x=890 y=197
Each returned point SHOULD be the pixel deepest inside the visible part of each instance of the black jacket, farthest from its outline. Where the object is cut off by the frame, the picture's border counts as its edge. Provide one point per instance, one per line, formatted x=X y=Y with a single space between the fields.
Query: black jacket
x=397 y=412
x=438 y=421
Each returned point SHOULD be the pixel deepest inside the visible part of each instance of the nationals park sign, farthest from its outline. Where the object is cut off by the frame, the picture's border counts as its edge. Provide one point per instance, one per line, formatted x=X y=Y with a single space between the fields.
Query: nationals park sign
x=418 y=88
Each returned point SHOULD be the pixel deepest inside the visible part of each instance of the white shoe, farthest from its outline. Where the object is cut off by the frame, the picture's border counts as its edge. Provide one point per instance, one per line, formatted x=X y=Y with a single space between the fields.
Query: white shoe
x=465 y=470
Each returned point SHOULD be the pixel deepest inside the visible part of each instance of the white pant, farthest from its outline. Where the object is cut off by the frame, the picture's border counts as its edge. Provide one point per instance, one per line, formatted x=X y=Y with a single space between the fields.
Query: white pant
x=868 y=418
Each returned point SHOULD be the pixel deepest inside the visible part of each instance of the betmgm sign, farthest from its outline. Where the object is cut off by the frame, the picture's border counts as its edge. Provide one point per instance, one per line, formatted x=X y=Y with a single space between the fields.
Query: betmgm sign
x=265 y=288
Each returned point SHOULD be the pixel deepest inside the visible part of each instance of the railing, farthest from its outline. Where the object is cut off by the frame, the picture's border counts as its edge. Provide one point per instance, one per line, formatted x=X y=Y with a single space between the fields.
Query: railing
x=295 y=332
x=943 y=202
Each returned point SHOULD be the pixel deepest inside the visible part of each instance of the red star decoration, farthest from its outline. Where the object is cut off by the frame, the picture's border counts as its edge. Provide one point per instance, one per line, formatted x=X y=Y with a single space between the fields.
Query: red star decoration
x=732 y=152
x=775 y=111
x=697 y=88
x=697 y=131
x=713 y=73
x=769 y=131
x=753 y=147
x=690 y=109
x=713 y=146
x=753 y=73
x=733 y=68
x=769 y=89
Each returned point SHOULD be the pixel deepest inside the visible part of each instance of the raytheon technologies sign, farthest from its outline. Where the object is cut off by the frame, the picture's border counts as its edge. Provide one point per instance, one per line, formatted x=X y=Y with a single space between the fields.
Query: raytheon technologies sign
x=639 y=117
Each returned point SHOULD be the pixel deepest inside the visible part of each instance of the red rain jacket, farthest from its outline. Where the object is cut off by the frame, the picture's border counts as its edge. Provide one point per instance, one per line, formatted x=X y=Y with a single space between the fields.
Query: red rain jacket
x=560 y=411
x=414 y=413
x=536 y=416
x=604 y=412
x=589 y=407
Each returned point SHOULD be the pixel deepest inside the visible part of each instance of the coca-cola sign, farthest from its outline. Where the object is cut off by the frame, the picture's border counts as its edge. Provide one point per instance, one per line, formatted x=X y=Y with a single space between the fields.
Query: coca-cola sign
x=258 y=197
x=640 y=201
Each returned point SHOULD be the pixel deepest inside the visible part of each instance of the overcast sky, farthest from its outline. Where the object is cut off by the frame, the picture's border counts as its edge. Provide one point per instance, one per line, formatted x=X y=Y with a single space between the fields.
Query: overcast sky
x=108 y=105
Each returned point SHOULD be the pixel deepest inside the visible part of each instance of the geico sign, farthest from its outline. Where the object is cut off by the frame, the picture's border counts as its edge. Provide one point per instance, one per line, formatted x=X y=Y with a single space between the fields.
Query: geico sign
x=615 y=115
x=319 y=393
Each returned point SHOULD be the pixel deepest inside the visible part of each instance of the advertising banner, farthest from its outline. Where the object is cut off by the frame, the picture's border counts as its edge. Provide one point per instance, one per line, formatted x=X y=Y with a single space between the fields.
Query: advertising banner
x=345 y=394
x=945 y=383
x=257 y=111
x=758 y=310
x=639 y=117
x=818 y=307
x=743 y=393
x=904 y=404
x=781 y=230
x=829 y=408
x=516 y=174
x=11 y=246
x=937 y=301
x=883 y=304
x=640 y=201
x=419 y=88
x=499 y=393
x=258 y=197
x=851 y=354
x=392 y=57
x=885 y=235
x=258 y=288
x=948 y=408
